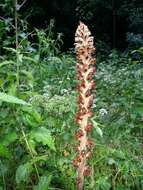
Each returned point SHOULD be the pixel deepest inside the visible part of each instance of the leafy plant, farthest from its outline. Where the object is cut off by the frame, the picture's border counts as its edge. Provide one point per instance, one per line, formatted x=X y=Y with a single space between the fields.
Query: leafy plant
x=37 y=108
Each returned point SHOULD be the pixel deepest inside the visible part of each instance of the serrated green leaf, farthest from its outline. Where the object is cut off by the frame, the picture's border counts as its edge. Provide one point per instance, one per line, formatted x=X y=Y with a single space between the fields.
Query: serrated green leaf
x=11 y=99
x=10 y=49
x=31 y=59
x=4 y=151
x=23 y=172
x=43 y=135
x=6 y=63
x=39 y=158
x=43 y=183
x=9 y=138
x=36 y=116
x=29 y=120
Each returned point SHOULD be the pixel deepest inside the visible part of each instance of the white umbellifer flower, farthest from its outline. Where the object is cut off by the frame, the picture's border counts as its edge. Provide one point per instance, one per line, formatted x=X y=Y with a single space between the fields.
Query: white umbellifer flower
x=46 y=95
x=64 y=91
x=94 y=106
x=103 y=112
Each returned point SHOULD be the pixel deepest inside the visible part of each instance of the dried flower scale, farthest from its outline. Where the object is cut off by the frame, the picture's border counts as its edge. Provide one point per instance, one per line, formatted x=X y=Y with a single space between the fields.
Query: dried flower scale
x=85 y=50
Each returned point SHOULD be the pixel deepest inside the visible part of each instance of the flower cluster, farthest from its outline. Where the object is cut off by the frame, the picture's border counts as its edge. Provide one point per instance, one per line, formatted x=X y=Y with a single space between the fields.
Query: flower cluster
x=85 y=71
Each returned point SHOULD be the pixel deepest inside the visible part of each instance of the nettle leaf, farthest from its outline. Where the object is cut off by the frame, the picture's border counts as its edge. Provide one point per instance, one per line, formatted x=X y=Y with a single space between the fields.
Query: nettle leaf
x=4 y=151
x=3 y=168
x=30 y=111
x=6 y=63
x=10 y=49
x=29 y=120
x=11 y=99
x=36 y=58
x=43 y=183
x=9 y=138
x=43 y=135
x=39 y=158
x=138 y=110
x=103 y=183
x=23 y=172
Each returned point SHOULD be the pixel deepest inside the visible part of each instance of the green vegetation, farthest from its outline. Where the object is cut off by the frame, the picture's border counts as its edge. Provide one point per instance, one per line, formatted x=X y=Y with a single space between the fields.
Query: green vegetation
x=37 y=114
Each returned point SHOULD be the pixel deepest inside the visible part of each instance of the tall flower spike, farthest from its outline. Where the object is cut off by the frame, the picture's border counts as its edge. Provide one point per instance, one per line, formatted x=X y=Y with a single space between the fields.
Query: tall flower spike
x=85 y=50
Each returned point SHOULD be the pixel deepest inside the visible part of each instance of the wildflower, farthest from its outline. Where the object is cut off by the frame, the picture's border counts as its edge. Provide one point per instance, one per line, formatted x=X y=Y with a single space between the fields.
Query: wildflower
x=85 y=73
x=103 y=112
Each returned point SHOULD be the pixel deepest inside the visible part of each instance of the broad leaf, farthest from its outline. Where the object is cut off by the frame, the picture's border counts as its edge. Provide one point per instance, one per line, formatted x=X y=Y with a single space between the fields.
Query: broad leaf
x=6 y=63
x=4 y=151
x=98 y=130
x=11 y=99
x=9 y=138
x=43 y=135
x=43 y=183
x=23 y=172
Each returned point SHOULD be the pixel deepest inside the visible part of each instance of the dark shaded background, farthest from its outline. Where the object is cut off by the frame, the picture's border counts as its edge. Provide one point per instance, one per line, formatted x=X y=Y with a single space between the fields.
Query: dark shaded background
x=119 y=24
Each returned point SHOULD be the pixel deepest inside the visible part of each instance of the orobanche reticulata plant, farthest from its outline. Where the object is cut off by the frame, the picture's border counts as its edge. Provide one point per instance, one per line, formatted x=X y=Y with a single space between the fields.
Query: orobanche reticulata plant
x=85 y=51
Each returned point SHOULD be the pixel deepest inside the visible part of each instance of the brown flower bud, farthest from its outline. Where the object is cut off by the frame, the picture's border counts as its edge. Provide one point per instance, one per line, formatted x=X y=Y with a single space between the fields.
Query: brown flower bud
x=79 y=134
x=87 y=171
x=88 y=154
x=90 y=143
x=88 y=127
x=75 y=163
x=83 y=153
x=87 y=93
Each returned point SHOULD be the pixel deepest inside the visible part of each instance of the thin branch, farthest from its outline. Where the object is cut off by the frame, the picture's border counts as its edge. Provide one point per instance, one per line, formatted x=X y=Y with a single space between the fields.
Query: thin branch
x=26 y=36
x=2 y=18
x=16 y=24
x=30 y=151
x=18 y=7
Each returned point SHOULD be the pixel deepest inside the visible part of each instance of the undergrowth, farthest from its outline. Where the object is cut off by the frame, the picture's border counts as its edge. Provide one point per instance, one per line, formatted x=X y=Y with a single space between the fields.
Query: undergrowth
x=37 y=108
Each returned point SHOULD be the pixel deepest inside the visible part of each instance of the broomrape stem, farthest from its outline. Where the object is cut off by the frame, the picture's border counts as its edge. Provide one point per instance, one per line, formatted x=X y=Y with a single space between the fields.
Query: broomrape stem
x=85 y=72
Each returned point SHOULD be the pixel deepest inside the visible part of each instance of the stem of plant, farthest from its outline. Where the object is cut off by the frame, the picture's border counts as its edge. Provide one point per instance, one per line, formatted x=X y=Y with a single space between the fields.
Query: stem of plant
x=3 y=177
x=16 y=23
x=16 y=41
x=85 y=72
x=30 y=151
